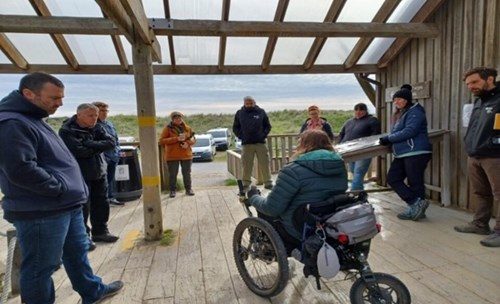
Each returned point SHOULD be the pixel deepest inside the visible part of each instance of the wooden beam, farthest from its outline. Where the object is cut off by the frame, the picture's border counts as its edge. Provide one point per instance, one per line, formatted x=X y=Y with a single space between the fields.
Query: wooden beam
x=319 y=42
x=130 y=22
x=291 y=29
x=490 y=47
x=367 y=88
x=279 y=16
x=193 y=69
x=427 y=10
x=101 y=26
x=120 y=52
x=12 y=52
x=42 y=10
x=58 y=25
x=136 y=12
x=382 y=15
x=226 y=4
x=166 y=7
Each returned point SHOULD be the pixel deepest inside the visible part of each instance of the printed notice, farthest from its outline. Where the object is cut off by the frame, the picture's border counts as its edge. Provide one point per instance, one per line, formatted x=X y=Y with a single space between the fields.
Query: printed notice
x=122 y=173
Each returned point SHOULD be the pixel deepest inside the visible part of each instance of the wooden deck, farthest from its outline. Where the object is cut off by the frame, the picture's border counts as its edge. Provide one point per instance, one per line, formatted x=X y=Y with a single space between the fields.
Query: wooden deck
x=437 y=264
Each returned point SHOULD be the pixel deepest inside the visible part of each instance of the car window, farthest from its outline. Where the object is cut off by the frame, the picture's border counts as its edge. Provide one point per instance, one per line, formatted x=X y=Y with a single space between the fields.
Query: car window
x=202 y=142
x=218 y=133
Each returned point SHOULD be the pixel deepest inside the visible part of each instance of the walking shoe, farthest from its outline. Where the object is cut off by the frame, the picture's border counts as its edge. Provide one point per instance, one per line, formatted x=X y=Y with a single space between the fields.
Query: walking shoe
x=269 y=186
x=420 y=206
x=92 y=245
x=114 y=201
x=113 y=288
x=473 y=228
x=189 y=192
x=105 y=237
x=172 y=193
x=407 y=214
x=492 y=240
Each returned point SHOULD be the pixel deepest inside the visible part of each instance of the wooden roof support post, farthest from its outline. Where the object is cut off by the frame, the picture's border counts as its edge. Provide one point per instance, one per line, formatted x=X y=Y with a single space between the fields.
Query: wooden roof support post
x=146 y=115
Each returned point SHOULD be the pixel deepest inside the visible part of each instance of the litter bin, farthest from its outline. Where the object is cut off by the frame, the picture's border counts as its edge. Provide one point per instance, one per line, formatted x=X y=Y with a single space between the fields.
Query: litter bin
x=128 y=182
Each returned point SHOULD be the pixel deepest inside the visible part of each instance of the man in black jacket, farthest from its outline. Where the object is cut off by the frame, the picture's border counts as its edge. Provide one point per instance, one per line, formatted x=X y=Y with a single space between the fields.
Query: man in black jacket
x=252 y=126
x=87 y=140
x=482 y=145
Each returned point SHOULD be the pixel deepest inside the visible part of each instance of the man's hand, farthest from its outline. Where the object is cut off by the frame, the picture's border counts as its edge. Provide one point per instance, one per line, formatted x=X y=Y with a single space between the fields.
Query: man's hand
x=384 y=141
x=253 y=191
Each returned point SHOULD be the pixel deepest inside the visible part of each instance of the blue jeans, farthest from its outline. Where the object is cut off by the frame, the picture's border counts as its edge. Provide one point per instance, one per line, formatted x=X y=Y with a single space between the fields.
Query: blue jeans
x=44 y=243
x=358 y=170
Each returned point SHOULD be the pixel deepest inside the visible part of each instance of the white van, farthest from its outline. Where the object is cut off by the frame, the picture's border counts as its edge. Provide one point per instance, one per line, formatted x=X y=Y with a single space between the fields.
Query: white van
x=204 y=148
x=222 y=137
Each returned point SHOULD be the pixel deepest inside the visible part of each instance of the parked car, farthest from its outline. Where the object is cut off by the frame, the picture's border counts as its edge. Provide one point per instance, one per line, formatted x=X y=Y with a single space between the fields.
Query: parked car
x=204 y=148
x=222 y=137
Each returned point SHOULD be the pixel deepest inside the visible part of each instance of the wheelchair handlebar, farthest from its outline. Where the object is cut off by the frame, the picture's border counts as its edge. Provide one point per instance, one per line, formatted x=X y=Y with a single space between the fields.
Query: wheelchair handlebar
x=243 y=198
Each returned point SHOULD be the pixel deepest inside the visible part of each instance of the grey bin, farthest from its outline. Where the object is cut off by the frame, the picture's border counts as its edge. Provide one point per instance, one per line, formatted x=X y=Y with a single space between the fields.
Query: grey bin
x=128 y=178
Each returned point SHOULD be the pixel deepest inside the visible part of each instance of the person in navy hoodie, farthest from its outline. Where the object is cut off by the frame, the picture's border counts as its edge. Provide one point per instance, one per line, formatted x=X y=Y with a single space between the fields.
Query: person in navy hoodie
x=44 y=192
x=412 y=151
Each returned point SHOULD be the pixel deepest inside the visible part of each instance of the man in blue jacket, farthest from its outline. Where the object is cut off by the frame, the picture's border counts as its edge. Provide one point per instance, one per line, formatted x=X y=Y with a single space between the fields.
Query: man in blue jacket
x=252 y=126
x=44 y=193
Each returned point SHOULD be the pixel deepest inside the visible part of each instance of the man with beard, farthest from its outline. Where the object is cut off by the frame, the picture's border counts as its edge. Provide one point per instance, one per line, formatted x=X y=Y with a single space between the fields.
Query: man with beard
x=482 y=145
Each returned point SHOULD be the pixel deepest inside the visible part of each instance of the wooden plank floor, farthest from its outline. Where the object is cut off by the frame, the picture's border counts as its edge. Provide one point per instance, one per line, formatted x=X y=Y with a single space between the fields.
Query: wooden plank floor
x=437 y=264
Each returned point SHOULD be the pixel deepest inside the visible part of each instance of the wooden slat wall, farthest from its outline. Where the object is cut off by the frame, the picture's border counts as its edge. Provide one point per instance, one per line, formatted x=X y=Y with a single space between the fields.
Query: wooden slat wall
x=462 y=44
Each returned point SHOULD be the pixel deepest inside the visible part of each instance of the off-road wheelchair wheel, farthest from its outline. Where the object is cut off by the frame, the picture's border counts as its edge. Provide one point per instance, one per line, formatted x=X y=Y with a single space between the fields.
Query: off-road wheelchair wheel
x=388 y=290
x=260 y=257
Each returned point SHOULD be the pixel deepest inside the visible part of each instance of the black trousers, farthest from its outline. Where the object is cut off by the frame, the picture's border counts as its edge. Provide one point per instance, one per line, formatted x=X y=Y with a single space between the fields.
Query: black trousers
x=97 y=208
x=173 y=170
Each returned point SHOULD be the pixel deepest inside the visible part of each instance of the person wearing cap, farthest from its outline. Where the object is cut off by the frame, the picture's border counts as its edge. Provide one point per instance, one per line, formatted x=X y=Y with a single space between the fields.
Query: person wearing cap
x=112 y=156
x=252 y=126
x=177 y=138
x=411 y=150
x=361 y=125
x=316 y=122
x=482 y=145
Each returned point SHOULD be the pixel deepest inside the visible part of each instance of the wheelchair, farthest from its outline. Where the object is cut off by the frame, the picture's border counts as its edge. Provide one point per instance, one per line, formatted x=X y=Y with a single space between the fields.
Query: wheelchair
x=261 y=251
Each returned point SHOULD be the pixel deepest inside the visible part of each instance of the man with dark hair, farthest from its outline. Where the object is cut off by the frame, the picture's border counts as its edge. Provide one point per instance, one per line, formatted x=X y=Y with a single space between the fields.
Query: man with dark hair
x=252 y=126
x=87 y=140
x=112 y=156
x=482 y=145
x=361 y=125
x=44 y=193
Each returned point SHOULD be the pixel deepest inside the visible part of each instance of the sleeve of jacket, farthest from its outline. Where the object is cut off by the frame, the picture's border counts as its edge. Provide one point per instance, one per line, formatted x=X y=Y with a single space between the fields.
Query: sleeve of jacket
x=102 y=141
x=19 y=161
x=280 y=198
x=267 y=124
x=75 y=144
x=237 y=125
x=168 y=137
x=375 y=126
x=342 y=134
x=412 y=123
x=328 y=129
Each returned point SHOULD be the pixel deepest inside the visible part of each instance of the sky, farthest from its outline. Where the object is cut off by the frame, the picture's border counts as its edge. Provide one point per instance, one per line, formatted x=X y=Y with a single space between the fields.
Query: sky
x=207 y=94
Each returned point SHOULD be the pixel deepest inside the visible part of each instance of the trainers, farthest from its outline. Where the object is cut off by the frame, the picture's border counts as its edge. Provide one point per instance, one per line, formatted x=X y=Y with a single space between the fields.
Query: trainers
x=189 y=192
x=114 y=201
x=113 y=288
x=269 y=186
x=172 y=193
x=406 y=215
x=105 y=237
x=473 y=228
x=492 y=241
x=419 y=208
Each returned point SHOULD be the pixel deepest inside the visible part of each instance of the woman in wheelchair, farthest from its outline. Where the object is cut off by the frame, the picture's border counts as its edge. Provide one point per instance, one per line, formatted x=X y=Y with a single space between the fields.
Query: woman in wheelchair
x=316 y=174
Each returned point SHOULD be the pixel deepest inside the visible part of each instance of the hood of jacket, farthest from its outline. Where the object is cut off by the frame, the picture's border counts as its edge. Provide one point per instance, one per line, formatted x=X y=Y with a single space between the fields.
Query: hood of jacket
x=328 y=167
x=16 y=102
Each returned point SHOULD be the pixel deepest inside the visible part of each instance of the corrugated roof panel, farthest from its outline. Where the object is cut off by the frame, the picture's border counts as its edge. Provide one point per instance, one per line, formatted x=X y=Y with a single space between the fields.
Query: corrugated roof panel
x=243 y=51
x=196 y=50
x=36 y=48
x=336 y=50
x=291 y=50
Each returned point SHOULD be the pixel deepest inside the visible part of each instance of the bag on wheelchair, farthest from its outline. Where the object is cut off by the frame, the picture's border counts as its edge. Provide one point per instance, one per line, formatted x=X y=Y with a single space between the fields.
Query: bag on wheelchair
x=357 y=222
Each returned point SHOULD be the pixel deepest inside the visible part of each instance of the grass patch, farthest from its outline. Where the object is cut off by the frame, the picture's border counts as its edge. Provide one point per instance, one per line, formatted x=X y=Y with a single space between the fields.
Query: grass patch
x=168 y=237
x=230 y=182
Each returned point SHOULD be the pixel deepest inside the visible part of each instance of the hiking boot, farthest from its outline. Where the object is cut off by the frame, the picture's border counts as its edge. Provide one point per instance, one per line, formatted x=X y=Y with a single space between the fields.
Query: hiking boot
x=406 y=215
x=172 y=193
x=269 y=186
x=189 y=192
x=113 y=288
x=492 y=240
x=92 y=245
x=473 y=228
x=105 y=237
x=419 y=209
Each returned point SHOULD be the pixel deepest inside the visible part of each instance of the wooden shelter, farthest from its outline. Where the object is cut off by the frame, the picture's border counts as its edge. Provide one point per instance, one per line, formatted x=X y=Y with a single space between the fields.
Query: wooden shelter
x=431 y=49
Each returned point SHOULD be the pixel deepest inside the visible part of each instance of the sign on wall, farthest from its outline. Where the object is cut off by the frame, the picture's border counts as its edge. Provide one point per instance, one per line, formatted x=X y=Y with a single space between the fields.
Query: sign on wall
x=419 y=90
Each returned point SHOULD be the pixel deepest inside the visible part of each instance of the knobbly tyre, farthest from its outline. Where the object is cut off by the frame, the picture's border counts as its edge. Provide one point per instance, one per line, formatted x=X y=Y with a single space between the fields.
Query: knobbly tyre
x=337 y=236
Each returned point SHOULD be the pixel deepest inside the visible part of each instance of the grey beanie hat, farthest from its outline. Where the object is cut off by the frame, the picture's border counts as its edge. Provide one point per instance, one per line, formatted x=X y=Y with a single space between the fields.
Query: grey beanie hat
x=404 y=92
